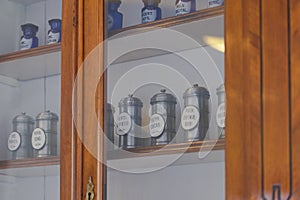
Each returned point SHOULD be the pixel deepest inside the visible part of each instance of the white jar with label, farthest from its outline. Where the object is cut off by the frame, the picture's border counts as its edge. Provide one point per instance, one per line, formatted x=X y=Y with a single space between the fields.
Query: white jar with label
x=221 y=110
x=195 y=115
x=130 y=122
x=162 y=125
x=18 y=142
x=44 y=136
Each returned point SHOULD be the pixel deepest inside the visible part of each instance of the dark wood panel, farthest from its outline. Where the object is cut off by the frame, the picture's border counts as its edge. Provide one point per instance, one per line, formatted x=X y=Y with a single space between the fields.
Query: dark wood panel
x=295 y=94
x=243 y=99
x=30 y=162
x=276 y=153
x=45 y=49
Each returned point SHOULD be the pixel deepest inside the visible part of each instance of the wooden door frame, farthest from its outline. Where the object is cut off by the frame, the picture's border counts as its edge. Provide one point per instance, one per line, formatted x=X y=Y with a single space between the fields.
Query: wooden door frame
x=82 y=32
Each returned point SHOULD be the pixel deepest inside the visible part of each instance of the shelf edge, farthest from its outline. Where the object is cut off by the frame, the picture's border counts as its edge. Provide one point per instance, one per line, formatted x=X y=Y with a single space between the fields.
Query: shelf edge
x=30 y=162
x=50 y=48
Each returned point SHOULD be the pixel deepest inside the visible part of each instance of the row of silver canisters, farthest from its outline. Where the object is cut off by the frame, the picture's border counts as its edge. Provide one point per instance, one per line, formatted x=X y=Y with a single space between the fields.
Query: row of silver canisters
x=162 y=127
x=26 y=141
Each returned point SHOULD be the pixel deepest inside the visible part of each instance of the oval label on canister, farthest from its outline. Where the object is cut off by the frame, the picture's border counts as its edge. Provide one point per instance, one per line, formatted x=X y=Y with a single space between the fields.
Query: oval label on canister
x=38 y=138
x=14 y=141
x=220 y=115
x=190 y=117
x=124 y=123
x=157 y=125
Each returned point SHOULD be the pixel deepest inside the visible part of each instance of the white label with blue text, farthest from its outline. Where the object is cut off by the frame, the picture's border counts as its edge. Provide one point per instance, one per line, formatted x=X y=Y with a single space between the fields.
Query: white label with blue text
x=25 y=43
x=53 y=37
x=157 y=125
x=190 y=117
x=183 y=7
x=124 y=123
x=14 y=141
x=149 y=15
x=38 y=138
x=214 y=3
x=220 y=116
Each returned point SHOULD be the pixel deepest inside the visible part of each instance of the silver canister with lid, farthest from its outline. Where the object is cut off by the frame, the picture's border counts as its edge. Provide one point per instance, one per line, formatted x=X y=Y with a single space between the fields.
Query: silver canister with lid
x=163 y=118
x=221 y=111
x=44 y=136
x=19 y=140
x=130 y=122
x=109 y=128
x=195 y=116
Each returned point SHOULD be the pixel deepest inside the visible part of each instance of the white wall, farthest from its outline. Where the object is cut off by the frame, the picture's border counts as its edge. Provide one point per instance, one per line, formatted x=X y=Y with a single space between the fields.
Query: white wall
x=33 y=188
x=192 y=182
x=13 y=15
x=29 y=98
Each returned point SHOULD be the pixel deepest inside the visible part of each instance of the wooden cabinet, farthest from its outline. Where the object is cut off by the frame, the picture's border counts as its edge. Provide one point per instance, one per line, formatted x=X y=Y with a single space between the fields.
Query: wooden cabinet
x=261 y=76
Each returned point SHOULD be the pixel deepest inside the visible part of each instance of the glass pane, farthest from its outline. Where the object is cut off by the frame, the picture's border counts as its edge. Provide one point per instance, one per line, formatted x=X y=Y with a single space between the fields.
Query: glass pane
x=30 y=68
x=165 y=110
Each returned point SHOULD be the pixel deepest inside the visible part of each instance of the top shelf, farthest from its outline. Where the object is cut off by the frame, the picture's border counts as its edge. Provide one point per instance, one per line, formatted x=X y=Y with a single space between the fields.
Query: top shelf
x=50 y=48
x=170 y=21
x=190 y=31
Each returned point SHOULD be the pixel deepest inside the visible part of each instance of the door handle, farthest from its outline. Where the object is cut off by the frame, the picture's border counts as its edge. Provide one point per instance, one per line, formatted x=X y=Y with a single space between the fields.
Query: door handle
x=90 y=190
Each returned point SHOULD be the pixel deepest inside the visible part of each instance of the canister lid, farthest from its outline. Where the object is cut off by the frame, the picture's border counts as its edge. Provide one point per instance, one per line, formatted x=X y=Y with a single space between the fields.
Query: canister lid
x=47 y=115
x=54 y=21
x=34 y=28
x=221 y=89
x=23 y=118
x=163 y=97
x=196 y=90
x=130 y=101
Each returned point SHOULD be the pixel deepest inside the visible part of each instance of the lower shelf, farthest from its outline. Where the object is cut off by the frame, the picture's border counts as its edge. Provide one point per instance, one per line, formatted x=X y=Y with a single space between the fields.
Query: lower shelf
x=32 y=167
x=30 y=162
x=148 y=159
x=208 y=145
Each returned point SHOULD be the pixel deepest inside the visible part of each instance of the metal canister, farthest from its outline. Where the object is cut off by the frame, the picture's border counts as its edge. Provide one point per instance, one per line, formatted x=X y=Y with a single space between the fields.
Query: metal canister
x=130 y=122
x=163 y=118
x=195 y=116
x=221 y=111
x=19 y=139
x=44 y=136
x=109 y=128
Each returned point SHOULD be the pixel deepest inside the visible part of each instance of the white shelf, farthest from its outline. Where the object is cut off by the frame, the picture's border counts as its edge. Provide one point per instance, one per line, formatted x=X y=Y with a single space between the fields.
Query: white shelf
x=32 y=67
x=152 y=163
x=23 y=172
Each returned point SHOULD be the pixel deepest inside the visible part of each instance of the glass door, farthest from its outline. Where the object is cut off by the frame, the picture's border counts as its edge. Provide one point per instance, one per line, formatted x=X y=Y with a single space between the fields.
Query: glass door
x=165 y=100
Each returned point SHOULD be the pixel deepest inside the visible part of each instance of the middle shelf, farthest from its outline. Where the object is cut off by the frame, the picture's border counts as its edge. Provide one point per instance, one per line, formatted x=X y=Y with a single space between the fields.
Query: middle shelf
x=31 y=64
x=191 y=147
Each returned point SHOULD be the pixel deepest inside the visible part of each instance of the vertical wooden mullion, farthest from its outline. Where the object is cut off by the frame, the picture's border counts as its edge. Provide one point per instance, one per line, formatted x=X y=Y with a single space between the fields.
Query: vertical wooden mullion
x=243 y=93
x=275 y=89
x=68 y=136
x=295 y=94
